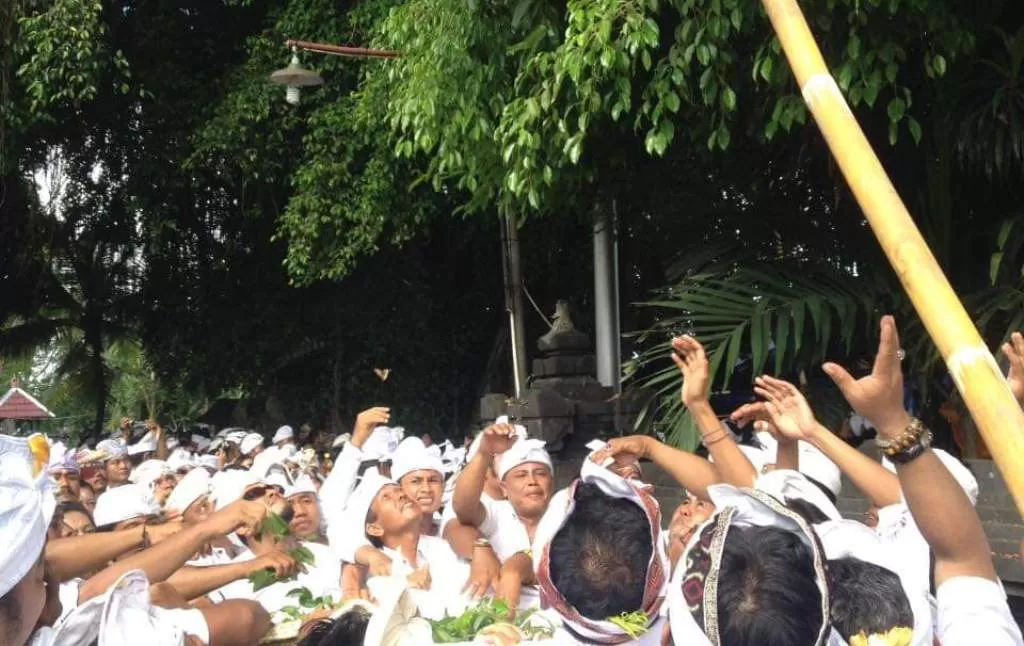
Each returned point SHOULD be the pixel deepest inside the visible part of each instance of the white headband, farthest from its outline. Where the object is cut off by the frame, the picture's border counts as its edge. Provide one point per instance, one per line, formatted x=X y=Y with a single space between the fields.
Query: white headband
x=522 y=452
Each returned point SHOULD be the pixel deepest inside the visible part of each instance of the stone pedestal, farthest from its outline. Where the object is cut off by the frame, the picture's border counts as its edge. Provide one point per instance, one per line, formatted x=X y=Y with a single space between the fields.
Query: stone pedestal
x=564 y=404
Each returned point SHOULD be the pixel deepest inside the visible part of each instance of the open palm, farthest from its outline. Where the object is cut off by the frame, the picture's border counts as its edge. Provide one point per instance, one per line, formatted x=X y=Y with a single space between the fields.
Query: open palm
x=788 y=408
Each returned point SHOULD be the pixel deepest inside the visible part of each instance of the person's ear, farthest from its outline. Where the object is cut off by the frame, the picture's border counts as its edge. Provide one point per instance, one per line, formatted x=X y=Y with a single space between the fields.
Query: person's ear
x=504 y=487
x=374 y=529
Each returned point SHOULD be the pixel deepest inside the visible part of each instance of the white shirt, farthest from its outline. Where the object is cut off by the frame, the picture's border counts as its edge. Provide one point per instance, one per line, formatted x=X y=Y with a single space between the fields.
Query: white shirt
x=448 y=575
x=338 y=486
x=973 y=611
x=321 y=580
x=502 y=527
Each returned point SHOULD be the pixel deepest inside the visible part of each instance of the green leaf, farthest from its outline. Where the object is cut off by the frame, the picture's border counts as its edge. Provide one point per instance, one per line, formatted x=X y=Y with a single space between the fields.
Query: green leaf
x=728 y=99
x=890 y=72
x=915 y=129
x=897 y=109
x=939 y=65
x=274 y=525
x=766 y=69
x=781 y=340
x=853 y=47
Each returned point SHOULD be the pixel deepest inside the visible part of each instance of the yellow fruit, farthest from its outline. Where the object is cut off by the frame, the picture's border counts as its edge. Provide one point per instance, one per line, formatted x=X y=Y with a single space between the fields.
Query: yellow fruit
x=40 y=452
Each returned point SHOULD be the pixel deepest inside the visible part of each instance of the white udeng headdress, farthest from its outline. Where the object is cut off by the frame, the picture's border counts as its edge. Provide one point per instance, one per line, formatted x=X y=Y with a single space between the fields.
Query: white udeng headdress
x=693 y=590
x=562 y=505
x=26 y=506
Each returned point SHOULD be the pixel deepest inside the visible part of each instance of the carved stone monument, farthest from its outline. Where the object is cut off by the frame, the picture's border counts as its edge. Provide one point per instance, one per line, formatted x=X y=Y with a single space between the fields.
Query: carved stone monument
x=564 y=402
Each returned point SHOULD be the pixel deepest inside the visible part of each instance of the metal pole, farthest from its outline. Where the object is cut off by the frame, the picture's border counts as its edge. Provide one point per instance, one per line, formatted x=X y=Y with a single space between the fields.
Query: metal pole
x=974 y=370
x=606 y=299
x=512 y=271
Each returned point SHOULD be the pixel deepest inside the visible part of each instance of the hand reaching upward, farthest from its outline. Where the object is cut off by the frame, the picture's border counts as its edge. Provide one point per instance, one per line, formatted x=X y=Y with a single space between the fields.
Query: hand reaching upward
x=879 y=396
x=689 y=355
x=787 y=407
x=1014 y=351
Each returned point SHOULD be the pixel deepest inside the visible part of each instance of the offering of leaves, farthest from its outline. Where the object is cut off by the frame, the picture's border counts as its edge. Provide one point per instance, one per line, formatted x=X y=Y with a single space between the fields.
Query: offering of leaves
x=275 y=526
x=488 y=612
x=307 y=603
x=633 y=623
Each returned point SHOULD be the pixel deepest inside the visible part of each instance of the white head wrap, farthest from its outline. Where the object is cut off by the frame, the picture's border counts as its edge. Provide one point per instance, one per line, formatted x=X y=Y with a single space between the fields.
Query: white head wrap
x=148 y=472
x=849 y=538
x=124 y=503
x=522 y=452
x=278 y=477
x=228 y=486
x=25 y=498
x=180 y=459
x=735 y=508
x=192 y=487
x=210 y=462
x=282 y=434
x=201 y=441
x=362 y=499
x=235 y=436
x=62 y=460
x=599 y=630
x=250 y=443
x=382 y=443
x=785 y=485
x=960 y=473
x=113 y=448
x=411 y=456
x=146 y=444
x=303 y=484
x=813 y=462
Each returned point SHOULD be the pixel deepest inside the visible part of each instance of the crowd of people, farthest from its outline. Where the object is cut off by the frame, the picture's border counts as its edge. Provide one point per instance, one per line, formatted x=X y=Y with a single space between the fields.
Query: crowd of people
x=222 y=540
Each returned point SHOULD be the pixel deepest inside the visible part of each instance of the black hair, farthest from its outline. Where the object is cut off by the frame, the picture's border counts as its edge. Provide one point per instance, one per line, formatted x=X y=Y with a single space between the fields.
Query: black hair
x=807 y=510
x=365 y=465
x=866 y=598
x=767 y=594
x=599 y=558
x=83 y=484
x=347 y=630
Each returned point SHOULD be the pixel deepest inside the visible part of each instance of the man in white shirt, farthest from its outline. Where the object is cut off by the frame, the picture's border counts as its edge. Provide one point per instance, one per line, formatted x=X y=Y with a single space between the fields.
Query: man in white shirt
x=525 y=472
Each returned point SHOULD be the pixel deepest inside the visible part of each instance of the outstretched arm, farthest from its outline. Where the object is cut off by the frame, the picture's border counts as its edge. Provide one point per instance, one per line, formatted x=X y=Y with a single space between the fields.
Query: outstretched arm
x=938 y=504
x=470 y=486
x=691 y=471
x=792 y=417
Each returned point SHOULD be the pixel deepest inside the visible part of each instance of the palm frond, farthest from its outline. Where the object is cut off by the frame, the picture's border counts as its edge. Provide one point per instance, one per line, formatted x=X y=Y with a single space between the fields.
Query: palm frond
x=759 y=317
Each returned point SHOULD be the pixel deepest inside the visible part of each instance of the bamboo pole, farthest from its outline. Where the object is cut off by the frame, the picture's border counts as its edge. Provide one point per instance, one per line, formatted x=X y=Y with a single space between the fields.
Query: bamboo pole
x=979 y=379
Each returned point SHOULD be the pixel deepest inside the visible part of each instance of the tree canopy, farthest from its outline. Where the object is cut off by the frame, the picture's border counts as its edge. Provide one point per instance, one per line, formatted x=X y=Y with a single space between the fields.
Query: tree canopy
x=285 y=252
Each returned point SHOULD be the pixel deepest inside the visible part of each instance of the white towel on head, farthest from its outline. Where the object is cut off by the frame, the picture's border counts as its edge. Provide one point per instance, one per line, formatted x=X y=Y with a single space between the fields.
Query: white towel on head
x=124 y=503
x=25 y=498
x=192 y=487
x=283 y=433
x=411 y=456
x=250 y=443
x=523 y=451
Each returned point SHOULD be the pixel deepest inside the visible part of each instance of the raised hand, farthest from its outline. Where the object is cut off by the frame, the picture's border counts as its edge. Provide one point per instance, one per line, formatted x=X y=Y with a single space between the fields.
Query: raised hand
x=755 y=412
x=1014 y=351
x=787 y=408
x=638 y=446
x=282 y=564
x=689 y=355
x=497 y=438
x=368 y=420
x=879 y=396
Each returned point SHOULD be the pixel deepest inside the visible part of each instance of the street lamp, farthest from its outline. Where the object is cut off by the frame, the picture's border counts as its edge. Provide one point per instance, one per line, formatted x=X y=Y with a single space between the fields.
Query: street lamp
x=294 y=77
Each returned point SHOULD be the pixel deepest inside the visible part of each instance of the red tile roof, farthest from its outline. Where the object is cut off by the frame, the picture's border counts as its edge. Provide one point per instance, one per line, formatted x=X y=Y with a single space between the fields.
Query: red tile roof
x=18 y=404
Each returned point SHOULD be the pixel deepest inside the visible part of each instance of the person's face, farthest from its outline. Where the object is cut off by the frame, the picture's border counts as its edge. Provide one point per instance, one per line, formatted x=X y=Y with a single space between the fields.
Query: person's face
x=97 y=479
x=425 y=488
x=87 y=497
x=68 y=486
x=528 y=487
x=394 y=512
x=686 y=518
x=306 y=519
x=75 y=523
x=198 y=511
x=118 y=470
x=427 y=440
x=29 y=598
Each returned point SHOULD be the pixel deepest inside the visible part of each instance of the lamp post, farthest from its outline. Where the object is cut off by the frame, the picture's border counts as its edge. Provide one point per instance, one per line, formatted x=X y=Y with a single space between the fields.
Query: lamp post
x=295 y=77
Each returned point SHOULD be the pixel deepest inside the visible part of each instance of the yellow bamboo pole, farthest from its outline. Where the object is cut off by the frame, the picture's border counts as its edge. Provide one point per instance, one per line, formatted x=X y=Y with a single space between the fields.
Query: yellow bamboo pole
x=985 y=391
